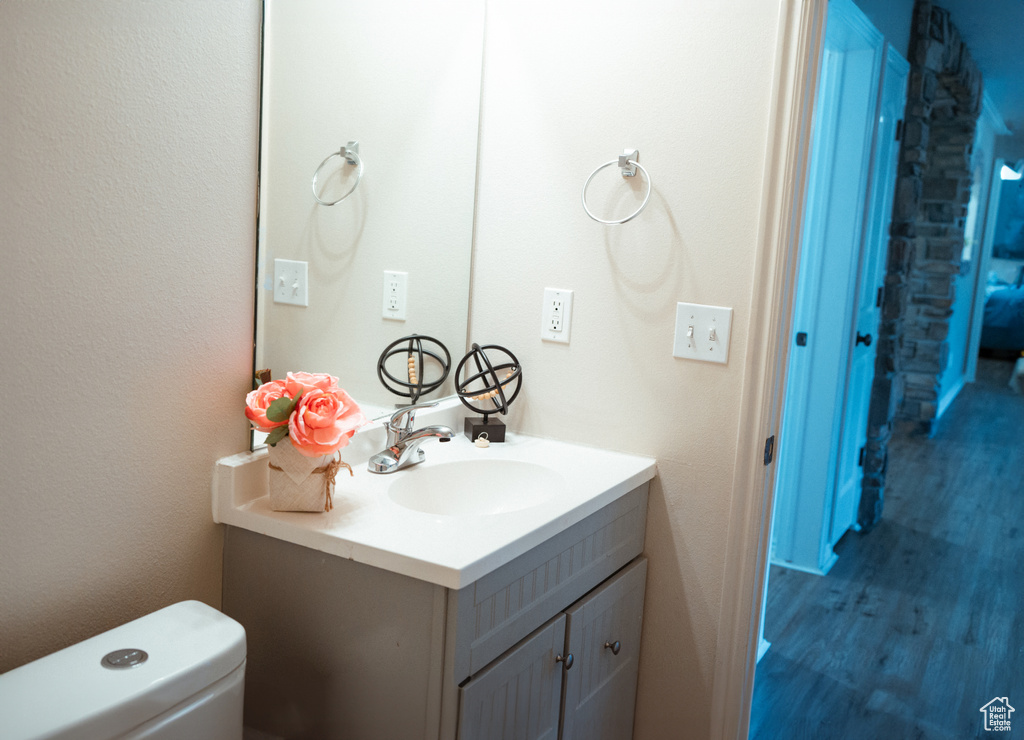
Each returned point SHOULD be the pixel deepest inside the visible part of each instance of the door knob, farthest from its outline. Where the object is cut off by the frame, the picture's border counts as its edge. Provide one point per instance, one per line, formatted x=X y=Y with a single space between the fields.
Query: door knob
x=864 y=339
x=613 y=646
x=566 y=661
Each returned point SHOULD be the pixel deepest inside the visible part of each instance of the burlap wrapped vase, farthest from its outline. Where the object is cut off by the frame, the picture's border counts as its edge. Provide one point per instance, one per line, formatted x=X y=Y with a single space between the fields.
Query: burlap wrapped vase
x=300 y=483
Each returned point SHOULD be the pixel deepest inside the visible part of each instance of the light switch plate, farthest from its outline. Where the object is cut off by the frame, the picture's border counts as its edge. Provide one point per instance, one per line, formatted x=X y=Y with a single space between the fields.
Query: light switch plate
x=291 y=282
x=702 y=332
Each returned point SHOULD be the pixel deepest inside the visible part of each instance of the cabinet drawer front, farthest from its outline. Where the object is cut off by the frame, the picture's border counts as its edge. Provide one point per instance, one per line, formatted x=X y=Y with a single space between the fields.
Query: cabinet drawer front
x=501 y=608
x=600 y=690
x=517 y=697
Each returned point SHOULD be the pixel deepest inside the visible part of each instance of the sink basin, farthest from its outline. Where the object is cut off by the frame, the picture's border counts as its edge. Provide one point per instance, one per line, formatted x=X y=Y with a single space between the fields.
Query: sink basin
x=475 y=487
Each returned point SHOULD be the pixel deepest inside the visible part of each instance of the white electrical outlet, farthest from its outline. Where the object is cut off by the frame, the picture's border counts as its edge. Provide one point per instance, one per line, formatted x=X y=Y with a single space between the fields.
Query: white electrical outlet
x=291 y=282
x=702 y=332
x=396 y=290
x=556 y=317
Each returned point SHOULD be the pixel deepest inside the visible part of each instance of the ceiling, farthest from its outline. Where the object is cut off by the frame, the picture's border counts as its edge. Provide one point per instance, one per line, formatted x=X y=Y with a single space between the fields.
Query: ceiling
x=994 y=32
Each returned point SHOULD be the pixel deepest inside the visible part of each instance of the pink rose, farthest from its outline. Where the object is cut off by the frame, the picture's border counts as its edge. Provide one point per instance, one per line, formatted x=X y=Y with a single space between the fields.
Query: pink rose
x=297 y=383
x=323 y=421
x=257 y=401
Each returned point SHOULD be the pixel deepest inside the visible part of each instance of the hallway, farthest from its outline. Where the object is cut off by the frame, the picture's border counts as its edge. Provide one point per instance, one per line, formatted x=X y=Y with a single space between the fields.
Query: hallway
x=920 y=622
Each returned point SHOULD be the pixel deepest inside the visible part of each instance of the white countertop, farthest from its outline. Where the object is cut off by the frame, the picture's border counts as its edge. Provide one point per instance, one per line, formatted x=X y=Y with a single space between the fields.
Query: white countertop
x=367 y=526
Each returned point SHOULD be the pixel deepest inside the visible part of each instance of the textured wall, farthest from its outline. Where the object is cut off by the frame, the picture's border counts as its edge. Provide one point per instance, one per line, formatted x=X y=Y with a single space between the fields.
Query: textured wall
x=565 y=91
x=127 y=178
x=942 y=111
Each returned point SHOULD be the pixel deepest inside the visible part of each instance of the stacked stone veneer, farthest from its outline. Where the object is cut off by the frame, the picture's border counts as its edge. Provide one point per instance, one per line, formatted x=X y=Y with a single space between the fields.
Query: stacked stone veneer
x=927 y=235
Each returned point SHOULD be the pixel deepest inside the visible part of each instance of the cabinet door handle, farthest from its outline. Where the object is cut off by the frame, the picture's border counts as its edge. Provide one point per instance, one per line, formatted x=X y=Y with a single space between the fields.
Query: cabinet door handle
x=567 y=661
x=614 y=646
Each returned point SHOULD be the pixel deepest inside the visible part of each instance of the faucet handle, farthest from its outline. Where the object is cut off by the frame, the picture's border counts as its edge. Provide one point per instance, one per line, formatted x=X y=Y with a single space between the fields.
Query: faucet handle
x=398 y=422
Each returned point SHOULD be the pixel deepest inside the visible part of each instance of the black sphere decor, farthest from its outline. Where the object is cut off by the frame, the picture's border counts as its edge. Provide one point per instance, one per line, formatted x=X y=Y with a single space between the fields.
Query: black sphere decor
x=487 y=380
x=414 y=350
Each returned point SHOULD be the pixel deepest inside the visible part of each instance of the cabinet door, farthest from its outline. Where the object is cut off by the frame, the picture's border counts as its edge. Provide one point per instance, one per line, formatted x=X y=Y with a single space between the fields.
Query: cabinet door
x=517 y=696
x=600 y=690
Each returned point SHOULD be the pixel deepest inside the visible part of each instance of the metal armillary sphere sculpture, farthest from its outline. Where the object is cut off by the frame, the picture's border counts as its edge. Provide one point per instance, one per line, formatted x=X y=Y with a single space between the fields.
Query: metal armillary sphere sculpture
x=414 y=366
x=487 y=381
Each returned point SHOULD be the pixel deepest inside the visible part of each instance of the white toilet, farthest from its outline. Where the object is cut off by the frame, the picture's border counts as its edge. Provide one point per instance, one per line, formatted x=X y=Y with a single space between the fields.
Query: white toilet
x=177 y=673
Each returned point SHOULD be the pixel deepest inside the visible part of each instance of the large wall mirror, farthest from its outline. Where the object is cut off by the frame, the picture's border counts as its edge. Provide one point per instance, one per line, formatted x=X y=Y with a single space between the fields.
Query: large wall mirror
x=402 y=79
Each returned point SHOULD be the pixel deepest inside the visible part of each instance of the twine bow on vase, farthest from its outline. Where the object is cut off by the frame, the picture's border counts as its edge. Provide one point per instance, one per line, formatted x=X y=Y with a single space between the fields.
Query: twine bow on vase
x=329 y=472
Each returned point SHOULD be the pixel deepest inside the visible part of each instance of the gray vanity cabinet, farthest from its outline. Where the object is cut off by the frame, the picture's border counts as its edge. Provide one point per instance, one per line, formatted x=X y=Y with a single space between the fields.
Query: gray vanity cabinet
x=528 y=694
x=342 y=650
x=603 y=636
x=519 y=694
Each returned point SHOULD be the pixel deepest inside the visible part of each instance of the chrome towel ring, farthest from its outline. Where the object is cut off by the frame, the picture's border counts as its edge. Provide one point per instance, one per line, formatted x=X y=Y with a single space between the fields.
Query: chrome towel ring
x=629 y=163
x=350 y=154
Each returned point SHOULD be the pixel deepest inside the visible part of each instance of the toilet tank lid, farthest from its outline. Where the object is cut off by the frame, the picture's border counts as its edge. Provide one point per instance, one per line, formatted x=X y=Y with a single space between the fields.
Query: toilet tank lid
x=69 y=694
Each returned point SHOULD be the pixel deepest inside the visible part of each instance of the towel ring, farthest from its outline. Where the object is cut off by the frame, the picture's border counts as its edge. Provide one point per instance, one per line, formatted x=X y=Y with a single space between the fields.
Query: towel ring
x=629 y=163
x=350 y=154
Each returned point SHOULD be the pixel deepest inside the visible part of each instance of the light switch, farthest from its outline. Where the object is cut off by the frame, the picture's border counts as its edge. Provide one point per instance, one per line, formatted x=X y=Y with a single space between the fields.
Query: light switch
x=702 y=332
x=291 y=282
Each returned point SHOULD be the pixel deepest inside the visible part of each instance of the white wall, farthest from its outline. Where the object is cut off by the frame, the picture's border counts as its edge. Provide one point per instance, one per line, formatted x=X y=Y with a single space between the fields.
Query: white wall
x=564 y=91
x=128 y=146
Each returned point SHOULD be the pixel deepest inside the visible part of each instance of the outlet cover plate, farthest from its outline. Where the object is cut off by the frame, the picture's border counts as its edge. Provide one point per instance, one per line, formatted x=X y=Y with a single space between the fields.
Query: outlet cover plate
x=396 y=295
x=291 y=282
x=556 y=316
x=710 y=337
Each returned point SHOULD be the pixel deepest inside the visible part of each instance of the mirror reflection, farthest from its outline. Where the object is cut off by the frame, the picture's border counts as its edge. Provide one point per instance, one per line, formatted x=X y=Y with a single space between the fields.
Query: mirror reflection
x=403 y=81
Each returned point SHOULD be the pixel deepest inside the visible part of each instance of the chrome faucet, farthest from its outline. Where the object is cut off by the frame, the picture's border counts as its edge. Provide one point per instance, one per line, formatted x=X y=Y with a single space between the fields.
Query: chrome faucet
x=403 y=447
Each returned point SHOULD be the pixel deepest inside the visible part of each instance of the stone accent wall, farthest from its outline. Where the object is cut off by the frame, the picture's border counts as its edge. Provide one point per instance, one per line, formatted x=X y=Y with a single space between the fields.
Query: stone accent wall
x=927 y=234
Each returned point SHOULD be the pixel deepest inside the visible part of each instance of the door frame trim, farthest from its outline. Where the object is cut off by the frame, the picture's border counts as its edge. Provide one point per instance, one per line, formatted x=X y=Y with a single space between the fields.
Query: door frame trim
x=801 y=34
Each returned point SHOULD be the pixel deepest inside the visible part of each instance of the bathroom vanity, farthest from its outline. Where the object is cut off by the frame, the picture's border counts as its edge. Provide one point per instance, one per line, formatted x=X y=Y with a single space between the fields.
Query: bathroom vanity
x=402 y=617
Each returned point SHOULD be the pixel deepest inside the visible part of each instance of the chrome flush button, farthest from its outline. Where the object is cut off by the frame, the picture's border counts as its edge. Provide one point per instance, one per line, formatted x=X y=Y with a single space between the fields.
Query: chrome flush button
x=127 y=658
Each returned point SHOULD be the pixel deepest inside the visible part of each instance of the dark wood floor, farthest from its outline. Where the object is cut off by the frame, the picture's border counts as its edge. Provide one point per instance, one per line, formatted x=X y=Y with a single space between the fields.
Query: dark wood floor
x=921 y=621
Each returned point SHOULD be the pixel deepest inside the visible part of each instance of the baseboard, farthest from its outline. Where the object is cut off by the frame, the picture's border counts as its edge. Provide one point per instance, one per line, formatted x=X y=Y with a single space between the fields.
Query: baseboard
x=822 y=571
x=948 y=397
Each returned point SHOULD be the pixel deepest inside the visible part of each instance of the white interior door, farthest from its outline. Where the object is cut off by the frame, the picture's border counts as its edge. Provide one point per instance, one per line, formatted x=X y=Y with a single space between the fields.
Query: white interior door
x=863 y=344
x=954 y=375
x=982 y=261
x=807 y=523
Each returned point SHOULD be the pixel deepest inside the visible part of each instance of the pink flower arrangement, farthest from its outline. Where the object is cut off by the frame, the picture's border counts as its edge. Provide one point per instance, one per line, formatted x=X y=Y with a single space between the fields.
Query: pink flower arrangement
x=310 y=408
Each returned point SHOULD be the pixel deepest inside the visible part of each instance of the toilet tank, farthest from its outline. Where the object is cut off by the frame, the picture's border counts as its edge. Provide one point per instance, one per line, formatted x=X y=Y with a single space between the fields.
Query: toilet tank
x=174 y=674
